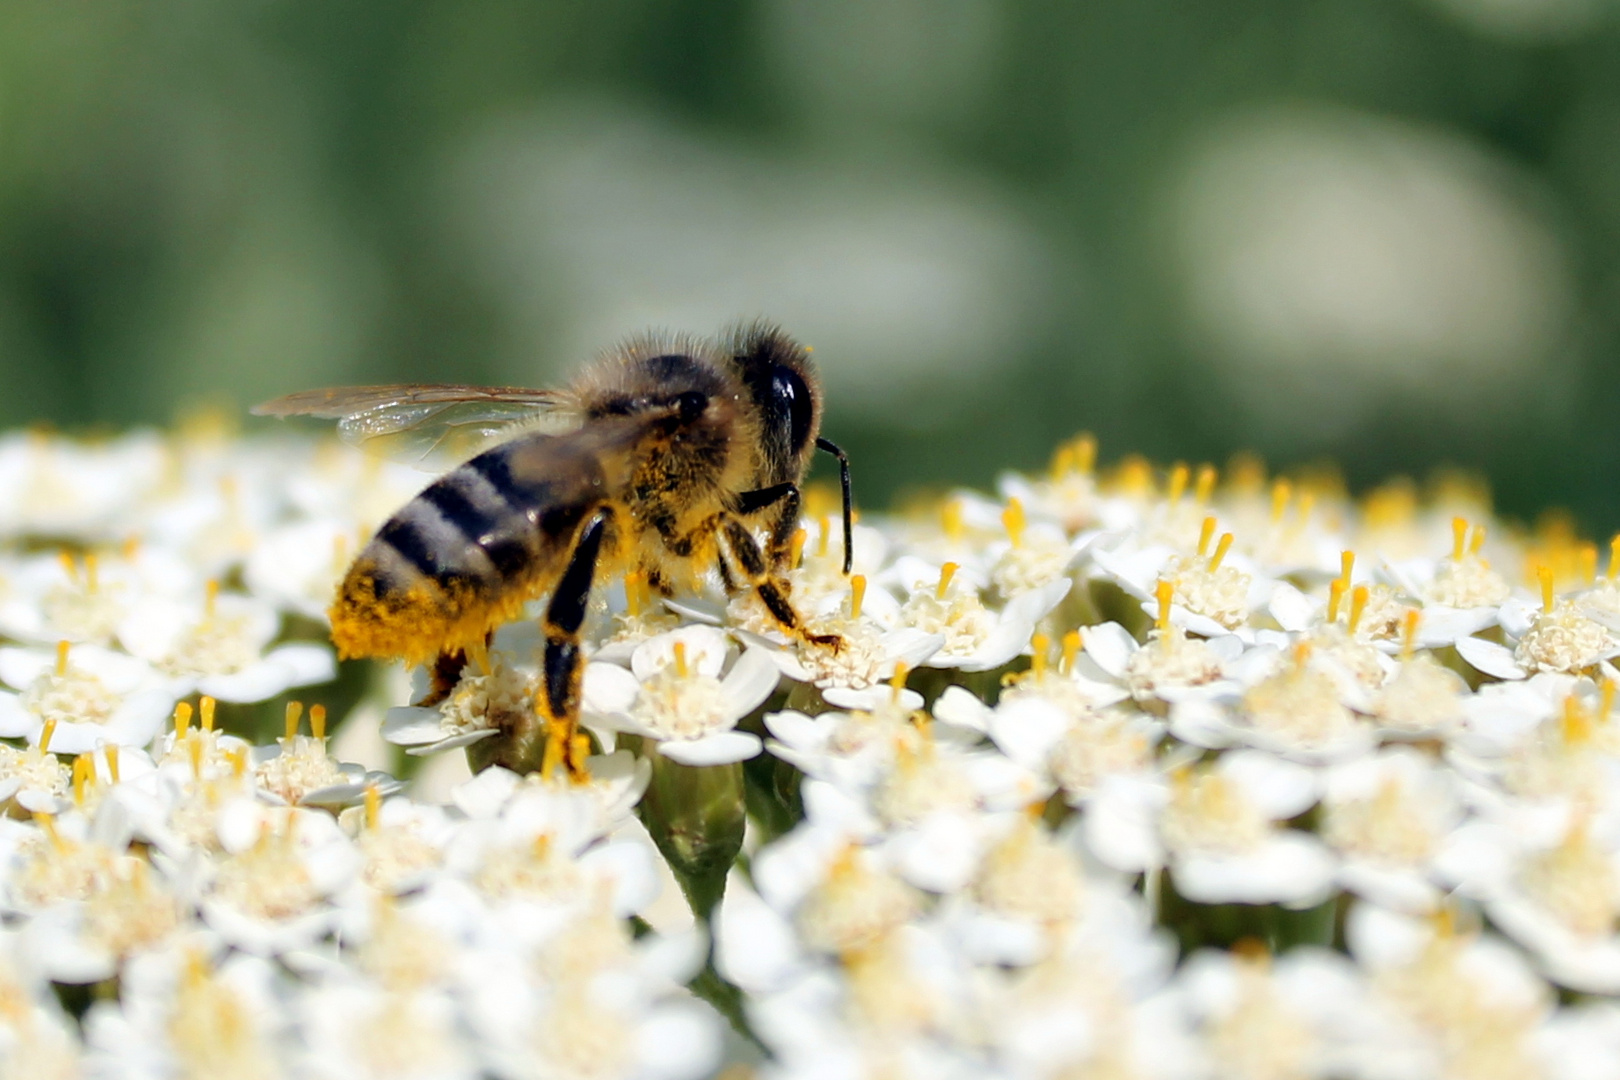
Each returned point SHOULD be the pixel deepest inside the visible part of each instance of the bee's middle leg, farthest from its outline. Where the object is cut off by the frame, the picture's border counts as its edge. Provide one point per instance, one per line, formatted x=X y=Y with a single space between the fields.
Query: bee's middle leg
x=772 y=592
x=563 y=665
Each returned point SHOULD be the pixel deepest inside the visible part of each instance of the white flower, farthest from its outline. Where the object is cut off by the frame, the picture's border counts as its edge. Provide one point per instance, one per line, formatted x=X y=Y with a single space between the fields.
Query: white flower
x=269 y=896
x=91 y=695
x=1388 y=816
x=674 y=695
x=977 y=639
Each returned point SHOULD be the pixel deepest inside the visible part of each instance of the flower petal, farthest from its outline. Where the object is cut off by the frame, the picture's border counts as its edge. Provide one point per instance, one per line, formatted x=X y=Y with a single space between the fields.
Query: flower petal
x=721 y=748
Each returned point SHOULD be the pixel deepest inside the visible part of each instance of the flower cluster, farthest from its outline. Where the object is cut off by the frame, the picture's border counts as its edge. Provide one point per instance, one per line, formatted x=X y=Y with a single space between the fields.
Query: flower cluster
x=1124 y=773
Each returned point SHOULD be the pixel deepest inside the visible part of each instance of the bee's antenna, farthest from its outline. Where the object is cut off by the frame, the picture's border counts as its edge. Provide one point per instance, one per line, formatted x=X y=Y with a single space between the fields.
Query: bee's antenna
x=849 y=501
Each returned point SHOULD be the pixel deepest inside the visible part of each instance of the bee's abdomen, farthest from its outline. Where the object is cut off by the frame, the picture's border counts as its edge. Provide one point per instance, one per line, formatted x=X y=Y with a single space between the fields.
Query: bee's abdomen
x=455 y=561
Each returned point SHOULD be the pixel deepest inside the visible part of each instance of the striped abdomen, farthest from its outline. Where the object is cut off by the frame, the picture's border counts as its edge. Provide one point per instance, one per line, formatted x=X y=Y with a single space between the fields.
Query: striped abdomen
x=465 y=554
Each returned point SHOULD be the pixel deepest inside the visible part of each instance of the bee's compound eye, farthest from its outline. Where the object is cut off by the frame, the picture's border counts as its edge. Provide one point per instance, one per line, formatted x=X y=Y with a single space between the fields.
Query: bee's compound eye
x=691 y=405
x=793 y=406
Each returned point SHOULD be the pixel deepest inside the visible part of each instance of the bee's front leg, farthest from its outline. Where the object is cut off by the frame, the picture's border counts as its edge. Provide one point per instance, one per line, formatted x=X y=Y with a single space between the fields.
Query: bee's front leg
x=772 y=592
x=784 y=501
x=563 y=664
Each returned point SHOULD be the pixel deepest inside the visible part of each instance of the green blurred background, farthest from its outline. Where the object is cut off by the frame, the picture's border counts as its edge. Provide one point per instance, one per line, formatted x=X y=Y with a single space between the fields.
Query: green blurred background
x=1385 y=232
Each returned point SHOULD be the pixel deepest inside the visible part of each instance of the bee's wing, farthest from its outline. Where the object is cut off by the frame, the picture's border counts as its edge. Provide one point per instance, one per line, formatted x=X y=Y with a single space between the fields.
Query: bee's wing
x=409 y=422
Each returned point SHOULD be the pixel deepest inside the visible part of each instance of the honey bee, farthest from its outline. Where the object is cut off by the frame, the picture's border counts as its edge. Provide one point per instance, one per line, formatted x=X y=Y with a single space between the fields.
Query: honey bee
x=664 y=457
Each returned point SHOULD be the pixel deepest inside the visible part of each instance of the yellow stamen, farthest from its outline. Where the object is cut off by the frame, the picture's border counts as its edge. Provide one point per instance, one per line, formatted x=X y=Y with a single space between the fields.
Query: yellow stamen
x=1039 y=644
x=632 y=593
x=211 y=603
x=65 y=557
x=91 y=578
x=1179 y=475
x=1085 y=452
x=48 y=824
x=1347 y=563
x=1206 y=533
x=1614 y=557
x=1163 y=592
x=857 y=593
x=373 y=806
x=194 y=749
x=61 y=658
x=679 y=649
x=826 y=535
x=295 y=713
x=1012 y=519
x=46 y=733
x=796 y=547
x=205 y=712
x=1071 y=649
x=950 y=514
x=1281 y=492
x=1222 y=546
x=1302 y=653
x=478 y=653
x=1335 y=597
x=238 y=757
x=1476 y=541
x=317 y=721
x=1577 y=726
x=1204 y=486
x=1459 y=538
x=897 y=682
x=81 y=766
x=1545 y=575
x=182 y=719
x=946 y=572
x=1358 y=605
x=1062 y=461
x=1588 y=556
x=1409 y=628
x=112 y=761
x=130 y=548
x=1606 y=699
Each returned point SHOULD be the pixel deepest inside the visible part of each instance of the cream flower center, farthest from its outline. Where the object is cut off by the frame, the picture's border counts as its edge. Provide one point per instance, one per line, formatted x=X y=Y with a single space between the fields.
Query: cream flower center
x=1207 y=813
x=1562 y=640
x=1170 y=659
x=1390 y=828
x=218 y=645
x=1423 y=696
x=500 y=698
x=854 y=907
x=676 y=706
x=70 y=695
x=1029 y=875
x=1299 y=706
x=302 y=766
x=268 y=880
x=1088 y=753
x=1467 y=582
x=1576 y=882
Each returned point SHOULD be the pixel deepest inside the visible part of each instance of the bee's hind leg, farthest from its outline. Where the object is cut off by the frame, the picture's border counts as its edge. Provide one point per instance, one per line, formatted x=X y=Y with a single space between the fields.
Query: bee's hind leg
x=772 y=592
x=442 y=677
x=563 y=665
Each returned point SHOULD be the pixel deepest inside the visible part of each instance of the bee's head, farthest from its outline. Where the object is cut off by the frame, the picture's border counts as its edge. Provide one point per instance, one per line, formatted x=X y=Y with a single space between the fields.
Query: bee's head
x=780 y=379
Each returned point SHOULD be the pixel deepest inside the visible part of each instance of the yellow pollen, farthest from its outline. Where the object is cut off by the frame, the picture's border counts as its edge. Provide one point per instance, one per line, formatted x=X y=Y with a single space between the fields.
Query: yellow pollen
x=317 y=721
x=61 y=658
x=1545 y=575
x=1459 y=538
x=1071 y=649
x=65 y=557
x=130 y=548
x=1039 y=644
x=182 y=719
x=857 y=593
x=1012 y=519
x=1347 y=563
x=796 y=547
x=1606 y=699
x=1281 y=492
x=1062 y=461
x=951 y=519
x=1335 y=598
x=194 y=749
x=1614 y=556
x=478 y=653
x=580 y=748
x=211 y=603
x=1204 y=485
x=1179 y=475
x=112 y=761
x=1162 y=592
x=205 y=712
x=680 y=659
x=632 y=593
x=373 y=806
x=1588 y=556
x=897 y=682
x=48 y=824
x=45 y=735
x=1307 y=503
x=826 y=534
x=91 y=578
x=295 y=713
x=1085 y=452
x=946 y=572
x=81 y=767
x=1477 y=540
x=1302 y=653
x=1409 y=627
x=1222 y=546
x=1206 y=533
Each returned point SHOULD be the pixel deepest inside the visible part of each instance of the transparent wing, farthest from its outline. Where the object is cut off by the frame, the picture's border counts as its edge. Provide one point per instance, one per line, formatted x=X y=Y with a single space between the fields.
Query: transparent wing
x=413 y=422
